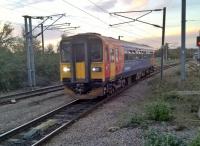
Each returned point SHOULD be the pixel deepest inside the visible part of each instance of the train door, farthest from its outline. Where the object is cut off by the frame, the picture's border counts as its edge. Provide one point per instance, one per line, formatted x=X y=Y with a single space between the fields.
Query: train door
x=80 y=60
x=107 y=63
x=117 y=63
x=112 y=64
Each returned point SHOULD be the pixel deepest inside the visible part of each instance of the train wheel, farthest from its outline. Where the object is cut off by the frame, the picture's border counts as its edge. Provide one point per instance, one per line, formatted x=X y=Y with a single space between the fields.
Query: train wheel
x=105 y=91
x=137 y=76
x=109 y=90
x=123 y=83
x=112 y=90
x=147 y=72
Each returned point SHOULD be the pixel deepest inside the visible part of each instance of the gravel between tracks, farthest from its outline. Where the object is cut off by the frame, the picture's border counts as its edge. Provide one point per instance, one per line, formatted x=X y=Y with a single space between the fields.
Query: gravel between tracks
x=13 y=115
x=94 y=129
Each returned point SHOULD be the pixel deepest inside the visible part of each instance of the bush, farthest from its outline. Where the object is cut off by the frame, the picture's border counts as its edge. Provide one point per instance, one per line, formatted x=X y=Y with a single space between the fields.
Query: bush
x=135 y=120
x=158 y=111
x=196 y=141
x=12 y=70
x=13 y=62
x=47 y=68
x=156 y=138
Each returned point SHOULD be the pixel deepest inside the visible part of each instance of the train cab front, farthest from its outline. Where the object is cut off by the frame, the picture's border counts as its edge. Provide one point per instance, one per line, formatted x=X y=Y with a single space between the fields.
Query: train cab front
x=81 y=66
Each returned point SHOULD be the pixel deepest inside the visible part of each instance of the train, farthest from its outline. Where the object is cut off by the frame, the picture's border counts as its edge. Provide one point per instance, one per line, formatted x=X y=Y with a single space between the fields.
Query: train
x=93 y=65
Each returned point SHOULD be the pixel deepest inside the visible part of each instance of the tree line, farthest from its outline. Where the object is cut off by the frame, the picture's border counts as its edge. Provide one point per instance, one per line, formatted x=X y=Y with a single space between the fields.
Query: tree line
x=13 y=62
x=175 y=53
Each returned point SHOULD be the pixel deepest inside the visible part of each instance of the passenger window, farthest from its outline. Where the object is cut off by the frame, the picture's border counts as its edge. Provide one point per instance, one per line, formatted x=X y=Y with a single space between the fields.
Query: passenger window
x=126 y=56
x=112 y=55
x=107 y=55
x=117 y=55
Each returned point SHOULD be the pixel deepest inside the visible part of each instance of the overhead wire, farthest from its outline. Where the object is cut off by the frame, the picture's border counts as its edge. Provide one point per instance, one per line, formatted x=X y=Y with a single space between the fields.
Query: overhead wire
x=97 y=18
x=102 y=9
x=29 y=5
x=99 y=26
x=107 y=12
x=85 y=12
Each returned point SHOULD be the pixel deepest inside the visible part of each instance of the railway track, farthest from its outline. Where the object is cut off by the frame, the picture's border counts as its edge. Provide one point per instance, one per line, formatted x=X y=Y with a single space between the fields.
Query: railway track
x=12 y=98
x=41 y=129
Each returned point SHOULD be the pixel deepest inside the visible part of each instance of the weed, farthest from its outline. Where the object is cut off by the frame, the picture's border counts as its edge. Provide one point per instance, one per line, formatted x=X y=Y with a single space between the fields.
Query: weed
x=135 y=120
x=195 y=141
x=156 y=138
x=158 y=111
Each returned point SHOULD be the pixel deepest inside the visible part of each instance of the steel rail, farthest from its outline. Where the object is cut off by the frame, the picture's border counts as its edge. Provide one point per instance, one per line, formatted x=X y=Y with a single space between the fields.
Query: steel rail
x=69 y=114
x=23 y=95
x=16 y=130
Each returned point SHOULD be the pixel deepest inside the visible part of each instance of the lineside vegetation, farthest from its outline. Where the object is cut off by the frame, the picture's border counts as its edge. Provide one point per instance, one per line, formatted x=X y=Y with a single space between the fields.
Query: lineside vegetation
x=13 y=64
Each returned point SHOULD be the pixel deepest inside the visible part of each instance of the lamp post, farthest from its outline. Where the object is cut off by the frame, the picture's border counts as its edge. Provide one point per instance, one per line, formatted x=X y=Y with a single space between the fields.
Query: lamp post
x=183 y=76
x=163 y=42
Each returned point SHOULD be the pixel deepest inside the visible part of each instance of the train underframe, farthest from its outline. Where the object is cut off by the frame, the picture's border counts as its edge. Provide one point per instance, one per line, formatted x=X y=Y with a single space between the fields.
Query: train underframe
x=97 y=88
x=123 y=81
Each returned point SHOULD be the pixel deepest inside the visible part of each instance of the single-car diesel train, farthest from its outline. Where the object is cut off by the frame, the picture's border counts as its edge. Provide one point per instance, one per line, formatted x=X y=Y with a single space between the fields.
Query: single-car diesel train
x=93 y=65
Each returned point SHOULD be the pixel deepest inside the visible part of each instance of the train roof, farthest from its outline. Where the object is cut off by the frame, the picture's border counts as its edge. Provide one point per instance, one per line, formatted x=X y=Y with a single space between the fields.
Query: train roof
x=123 y=43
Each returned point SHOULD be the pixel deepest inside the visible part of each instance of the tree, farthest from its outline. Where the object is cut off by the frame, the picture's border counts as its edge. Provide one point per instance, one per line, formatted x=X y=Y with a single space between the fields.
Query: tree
x=6 y=38
x=58 y=48
x=17 y=46
x=13 y=61
x=50 y=49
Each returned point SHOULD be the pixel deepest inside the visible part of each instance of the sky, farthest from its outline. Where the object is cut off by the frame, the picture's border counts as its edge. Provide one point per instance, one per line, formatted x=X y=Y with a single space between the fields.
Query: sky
x=94 y=16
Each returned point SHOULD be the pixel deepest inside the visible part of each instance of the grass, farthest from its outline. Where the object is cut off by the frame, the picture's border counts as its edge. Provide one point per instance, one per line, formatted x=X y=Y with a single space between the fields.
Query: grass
x=158 y=111
x=135 y=121
x=172 y=96
x=167 y=103
x=183 y=107
x=195 y=141
x=156 y=138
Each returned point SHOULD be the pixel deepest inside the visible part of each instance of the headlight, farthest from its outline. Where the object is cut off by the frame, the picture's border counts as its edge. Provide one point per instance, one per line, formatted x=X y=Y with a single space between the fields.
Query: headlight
x=96 y=69
x=66 y=69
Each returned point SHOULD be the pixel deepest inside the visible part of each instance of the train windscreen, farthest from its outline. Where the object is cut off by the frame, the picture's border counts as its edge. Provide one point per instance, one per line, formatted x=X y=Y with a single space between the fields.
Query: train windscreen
x=79 y=51
x=94 y=46
x=96 y=49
